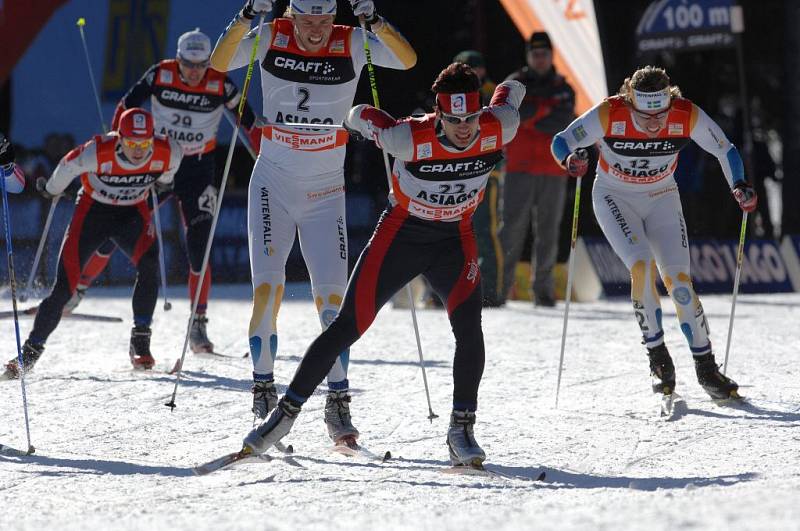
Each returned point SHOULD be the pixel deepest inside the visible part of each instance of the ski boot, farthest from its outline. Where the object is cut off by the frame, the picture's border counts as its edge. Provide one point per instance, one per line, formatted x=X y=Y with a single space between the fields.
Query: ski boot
x=464 y=450
x=716 y=384
x=30 y=354
x=337 y=418
x=661 y=369
x=75 y=300
x=260 y=439
x=265 y=398
x=140 y=348
x=198 y=339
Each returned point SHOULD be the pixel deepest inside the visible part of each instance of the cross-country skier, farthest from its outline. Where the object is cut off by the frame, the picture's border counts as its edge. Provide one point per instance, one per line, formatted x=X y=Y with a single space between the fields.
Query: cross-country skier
x=187 y=99
x=309 y=74
x=442 y=163
x=11 y=173
x=639 y=133
x=117 y=171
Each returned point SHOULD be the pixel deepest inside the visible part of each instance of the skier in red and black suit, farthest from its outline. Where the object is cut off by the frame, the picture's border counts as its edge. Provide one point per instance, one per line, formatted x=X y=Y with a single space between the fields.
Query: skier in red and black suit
x=187 y=99
x=117 y=172
x=442 y=163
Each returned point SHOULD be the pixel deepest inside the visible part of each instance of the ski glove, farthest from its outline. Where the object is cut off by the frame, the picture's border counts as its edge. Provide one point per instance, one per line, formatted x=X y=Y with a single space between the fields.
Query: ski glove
x=41 y=187
x=256 y=7
x=6 y=151
x=577 y=163
x=745 y=195
x=366 y=9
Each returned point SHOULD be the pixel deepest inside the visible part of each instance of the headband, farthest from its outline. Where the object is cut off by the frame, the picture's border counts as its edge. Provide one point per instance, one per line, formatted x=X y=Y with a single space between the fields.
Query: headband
x=651 y=101
x=459 y=103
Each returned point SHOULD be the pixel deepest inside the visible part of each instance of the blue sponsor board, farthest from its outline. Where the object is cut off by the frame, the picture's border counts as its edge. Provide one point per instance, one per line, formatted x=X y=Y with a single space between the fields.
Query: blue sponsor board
x=713 y=264
x=686 y=24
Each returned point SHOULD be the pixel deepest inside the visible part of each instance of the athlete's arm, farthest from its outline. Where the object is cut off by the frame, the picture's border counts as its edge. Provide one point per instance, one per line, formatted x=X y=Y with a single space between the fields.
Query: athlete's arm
x=387 y=47
x=175 y=157
x=137 y=95
x=583 y=132
x=710 y=137
x=379 y=126
x=80 y=160
x=234 y=46
x=505 y=103
x=11 y=173
x=232 y=99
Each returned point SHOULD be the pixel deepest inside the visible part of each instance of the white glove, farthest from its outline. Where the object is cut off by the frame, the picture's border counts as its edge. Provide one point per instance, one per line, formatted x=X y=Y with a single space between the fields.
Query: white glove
x=365 y=8
x=256 y=7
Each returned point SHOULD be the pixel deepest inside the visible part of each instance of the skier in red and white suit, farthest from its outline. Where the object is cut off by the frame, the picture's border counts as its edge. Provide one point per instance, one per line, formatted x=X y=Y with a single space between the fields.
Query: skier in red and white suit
x=442 y=163
x=309 y=74
x=639 y=133
x=117 y=171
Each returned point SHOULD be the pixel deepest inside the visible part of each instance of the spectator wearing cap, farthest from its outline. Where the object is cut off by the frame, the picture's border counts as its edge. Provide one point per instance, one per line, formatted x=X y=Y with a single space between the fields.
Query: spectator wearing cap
x=187 y=99
x=488 y=216
x=535 y=186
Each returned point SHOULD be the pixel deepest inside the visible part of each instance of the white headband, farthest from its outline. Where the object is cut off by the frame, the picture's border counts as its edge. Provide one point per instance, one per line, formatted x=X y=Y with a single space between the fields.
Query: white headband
x=651 y=101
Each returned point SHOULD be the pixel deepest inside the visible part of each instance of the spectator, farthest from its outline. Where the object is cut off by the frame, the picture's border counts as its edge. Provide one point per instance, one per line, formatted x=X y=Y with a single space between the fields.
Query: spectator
x=535 y=186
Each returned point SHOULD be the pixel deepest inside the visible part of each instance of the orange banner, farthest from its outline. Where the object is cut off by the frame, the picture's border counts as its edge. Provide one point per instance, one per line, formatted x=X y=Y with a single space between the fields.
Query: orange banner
x=20 y=22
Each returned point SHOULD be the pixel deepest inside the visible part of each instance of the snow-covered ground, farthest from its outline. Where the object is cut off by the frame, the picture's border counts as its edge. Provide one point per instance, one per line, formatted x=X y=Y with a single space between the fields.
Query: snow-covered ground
x=111 y=455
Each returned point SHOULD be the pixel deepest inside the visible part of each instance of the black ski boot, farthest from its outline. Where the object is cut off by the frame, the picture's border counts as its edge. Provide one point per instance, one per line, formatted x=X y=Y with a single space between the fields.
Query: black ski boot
x=140 y=348
x=661 y=369
x=716 y=384
x=30 y=355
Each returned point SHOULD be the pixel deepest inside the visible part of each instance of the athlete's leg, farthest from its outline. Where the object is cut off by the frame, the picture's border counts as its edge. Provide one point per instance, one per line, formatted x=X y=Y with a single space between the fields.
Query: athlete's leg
x=623 y=227
x=271 y=231
x=666 y=230
x=456 y=279
x=322 y=230
x=390 y=260
x=96 y=264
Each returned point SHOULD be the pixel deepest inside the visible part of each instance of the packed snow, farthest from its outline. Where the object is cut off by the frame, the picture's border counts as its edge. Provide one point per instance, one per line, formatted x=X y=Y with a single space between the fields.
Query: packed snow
x=109 y=454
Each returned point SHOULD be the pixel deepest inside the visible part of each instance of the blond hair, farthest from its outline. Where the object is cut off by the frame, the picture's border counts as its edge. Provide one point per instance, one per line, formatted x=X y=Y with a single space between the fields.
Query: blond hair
x=647 y=79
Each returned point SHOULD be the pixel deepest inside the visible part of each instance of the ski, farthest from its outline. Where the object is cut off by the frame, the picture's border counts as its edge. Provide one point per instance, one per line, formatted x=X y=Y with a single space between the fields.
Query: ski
x=30 y=312
x=481 y=470
x=13 y=452
x=213 y=354
x=349 y=447
x=245 y=455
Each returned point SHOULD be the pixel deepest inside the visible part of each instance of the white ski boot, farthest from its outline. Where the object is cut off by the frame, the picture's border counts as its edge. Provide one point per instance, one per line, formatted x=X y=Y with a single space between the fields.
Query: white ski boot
x=464 y=450
x=337 y=417
x=265 y=398
x=198 y=338
x=274 y=429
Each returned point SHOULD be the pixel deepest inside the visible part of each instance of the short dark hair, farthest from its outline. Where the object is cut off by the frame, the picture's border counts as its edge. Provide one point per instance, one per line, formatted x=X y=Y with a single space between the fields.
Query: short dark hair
x=456 y=78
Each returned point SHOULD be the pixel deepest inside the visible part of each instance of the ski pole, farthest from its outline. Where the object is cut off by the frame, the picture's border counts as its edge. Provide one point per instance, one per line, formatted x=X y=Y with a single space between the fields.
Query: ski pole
x=13 y=282
x=242 y=135
x=737 y=276
x=81 y=23
x=570 y=270
x=217 y=207
x=38 y=256
x=374 y=87
x=160 y=238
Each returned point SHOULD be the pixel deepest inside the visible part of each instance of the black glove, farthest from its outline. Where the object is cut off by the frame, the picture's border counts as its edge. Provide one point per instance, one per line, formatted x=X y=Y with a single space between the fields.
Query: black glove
x=6 y=151
x=41 y=183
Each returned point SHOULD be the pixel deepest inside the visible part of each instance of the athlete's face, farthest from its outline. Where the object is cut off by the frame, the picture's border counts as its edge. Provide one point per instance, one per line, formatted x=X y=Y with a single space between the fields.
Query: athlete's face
x=137 y=150
x=192 y=73
x=313 y=31
x=459 y=130
x=650 y=123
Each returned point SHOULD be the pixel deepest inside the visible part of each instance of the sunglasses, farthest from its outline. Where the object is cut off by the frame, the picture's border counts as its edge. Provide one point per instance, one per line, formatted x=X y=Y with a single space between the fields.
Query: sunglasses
x=194 y=66
x=456 y=120
x=133 y=144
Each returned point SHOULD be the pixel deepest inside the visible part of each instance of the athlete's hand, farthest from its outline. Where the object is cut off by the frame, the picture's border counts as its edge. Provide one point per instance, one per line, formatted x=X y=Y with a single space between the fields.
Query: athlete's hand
x=354 y=133
x=364 y=8
x=256 y=7
x=745 y=195
x=577 y=163
x=41 y=187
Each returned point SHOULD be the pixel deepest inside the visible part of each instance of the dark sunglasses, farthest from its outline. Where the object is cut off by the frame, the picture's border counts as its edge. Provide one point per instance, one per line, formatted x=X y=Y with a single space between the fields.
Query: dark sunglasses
x=194 y=66
x=456 y=120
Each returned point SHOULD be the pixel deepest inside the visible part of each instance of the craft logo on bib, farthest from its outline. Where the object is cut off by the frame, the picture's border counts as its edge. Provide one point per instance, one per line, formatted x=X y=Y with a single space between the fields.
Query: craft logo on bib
x=458 y=103
x=675 y=129
x=337 y=46
x=157 y=165
x=165 y=77
x=489 y=143
x=281 y=40
x=618 y=128
x=425 y=151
